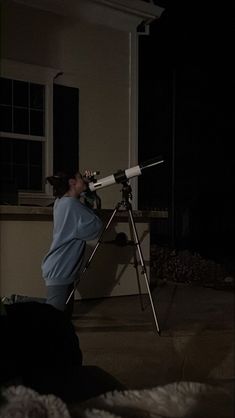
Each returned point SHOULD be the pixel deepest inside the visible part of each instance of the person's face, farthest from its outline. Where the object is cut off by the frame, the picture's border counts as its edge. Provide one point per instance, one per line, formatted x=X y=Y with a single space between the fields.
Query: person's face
x=77 y=185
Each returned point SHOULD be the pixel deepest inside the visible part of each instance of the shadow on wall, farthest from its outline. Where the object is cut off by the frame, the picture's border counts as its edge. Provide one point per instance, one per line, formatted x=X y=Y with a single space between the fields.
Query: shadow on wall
x=113 y=270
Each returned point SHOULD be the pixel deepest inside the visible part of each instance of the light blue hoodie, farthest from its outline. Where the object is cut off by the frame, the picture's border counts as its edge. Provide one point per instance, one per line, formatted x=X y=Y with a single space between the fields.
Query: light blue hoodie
x=74 y=224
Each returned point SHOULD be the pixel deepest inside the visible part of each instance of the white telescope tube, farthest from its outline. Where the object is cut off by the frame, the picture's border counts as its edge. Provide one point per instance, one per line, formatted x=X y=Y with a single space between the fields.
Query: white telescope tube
x=133 y=171
x=108 y=181
x=122 y=176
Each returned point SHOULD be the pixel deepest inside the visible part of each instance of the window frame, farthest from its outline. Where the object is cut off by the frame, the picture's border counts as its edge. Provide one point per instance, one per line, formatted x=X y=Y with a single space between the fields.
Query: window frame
x=42 y=75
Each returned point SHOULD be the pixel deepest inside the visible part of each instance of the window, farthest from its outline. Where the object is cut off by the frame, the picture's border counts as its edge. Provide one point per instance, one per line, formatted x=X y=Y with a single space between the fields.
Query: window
x=39 y=124
x=22 y=127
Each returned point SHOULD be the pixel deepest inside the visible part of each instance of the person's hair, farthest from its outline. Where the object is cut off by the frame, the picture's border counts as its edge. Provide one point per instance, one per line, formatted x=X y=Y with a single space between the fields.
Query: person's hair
x=60 y=182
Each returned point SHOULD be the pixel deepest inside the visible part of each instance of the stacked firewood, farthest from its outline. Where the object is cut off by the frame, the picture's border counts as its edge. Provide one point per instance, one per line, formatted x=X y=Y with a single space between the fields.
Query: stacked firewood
x=185 y=267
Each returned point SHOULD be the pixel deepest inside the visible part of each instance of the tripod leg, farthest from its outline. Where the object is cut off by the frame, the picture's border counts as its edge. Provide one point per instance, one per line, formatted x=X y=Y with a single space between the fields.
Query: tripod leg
x=136 y=264
x=92 y=254
x=137 y=243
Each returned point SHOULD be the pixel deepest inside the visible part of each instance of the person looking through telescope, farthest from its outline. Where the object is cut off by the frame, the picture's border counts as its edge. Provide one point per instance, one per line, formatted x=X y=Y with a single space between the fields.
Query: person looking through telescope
x=73 y=224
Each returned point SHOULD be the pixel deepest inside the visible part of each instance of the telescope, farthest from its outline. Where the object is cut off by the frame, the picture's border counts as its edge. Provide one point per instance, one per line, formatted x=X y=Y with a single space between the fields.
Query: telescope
x=121 y=176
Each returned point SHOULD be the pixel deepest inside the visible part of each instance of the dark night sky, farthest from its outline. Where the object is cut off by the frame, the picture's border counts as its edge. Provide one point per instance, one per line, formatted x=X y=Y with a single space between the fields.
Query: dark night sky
x=186 y=67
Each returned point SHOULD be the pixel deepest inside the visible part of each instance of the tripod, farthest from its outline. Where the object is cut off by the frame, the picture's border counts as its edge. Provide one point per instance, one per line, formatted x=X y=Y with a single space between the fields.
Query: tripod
x=125 y=204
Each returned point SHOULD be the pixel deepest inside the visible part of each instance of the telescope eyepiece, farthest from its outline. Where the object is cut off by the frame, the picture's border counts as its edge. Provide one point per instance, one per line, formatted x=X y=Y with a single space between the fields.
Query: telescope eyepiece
x=91 y=176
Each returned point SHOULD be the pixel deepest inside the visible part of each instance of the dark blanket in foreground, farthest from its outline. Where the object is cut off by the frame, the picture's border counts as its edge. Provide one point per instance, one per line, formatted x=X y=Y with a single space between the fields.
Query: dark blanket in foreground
x=40 y=349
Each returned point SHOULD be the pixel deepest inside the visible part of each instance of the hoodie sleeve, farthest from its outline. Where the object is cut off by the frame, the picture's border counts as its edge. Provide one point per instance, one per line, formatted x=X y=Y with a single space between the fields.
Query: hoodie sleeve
x=89 y=224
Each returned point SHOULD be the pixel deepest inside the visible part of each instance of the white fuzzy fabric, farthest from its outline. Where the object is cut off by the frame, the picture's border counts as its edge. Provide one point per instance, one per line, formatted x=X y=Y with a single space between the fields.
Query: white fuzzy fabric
x=176 y=400
x=23 y=402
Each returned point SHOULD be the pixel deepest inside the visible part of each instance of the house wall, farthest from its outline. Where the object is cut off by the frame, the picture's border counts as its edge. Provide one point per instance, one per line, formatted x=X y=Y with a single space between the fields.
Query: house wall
x=93 y=58
x=23 y=245
x=26 y=237
x=102 y=62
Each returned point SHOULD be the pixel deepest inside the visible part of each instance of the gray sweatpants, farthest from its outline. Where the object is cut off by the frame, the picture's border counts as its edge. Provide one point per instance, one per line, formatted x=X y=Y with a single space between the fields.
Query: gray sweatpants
x=58 y=295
